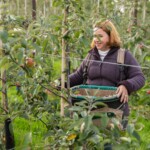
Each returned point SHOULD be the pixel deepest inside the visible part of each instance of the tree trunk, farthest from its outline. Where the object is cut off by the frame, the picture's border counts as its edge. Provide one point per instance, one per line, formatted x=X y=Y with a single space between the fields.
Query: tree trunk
x=34 y=9
x=3 y=76
x=135 y=12
x=4 y=91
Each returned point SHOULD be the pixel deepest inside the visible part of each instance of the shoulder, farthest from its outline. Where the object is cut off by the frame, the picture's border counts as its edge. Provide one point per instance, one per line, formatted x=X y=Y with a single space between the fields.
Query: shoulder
x=129 y=58
x=128 y=53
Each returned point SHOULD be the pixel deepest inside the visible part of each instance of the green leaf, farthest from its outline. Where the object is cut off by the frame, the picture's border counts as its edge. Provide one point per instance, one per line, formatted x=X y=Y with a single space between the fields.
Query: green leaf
x=136 y=135
x=81 y=103
x=125 y=139
x=104 y=120
x=75 y=116
x=3 y=62
x=57 y=3
x=24 y=43
x=88 y=121
x=76 y=108
x=4 y=36
x=84 y=114
x=44 y=45
x=20 y=57
x=130 y=129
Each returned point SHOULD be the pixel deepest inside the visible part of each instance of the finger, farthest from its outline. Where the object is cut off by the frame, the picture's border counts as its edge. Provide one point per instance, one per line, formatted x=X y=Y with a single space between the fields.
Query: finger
x=121 y=98
x=124 y=98
x=118 y=89
x=119 y=94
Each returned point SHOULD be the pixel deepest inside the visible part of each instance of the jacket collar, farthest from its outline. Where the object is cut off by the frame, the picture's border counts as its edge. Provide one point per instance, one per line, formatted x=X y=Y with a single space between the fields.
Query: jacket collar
x=95 y=53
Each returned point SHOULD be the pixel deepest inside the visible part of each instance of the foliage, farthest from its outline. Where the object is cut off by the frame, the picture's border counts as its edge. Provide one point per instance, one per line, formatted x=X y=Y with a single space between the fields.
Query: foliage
x=40 y=41
x=79 y=132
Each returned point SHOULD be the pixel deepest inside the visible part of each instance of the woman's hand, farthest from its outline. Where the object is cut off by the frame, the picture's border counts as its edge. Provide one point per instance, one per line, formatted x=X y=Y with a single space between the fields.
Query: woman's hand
x=122 y=93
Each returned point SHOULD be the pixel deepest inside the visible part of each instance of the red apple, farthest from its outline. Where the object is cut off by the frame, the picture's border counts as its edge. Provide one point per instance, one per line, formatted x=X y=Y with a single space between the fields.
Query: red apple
x=29 y=62
x=148 y=92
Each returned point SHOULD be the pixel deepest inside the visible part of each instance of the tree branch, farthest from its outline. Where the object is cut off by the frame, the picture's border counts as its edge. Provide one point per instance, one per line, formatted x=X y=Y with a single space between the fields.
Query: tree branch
x=54 y=93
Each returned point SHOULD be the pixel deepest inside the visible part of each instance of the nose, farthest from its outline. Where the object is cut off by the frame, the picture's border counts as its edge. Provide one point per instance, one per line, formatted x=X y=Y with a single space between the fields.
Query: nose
x=97 y=40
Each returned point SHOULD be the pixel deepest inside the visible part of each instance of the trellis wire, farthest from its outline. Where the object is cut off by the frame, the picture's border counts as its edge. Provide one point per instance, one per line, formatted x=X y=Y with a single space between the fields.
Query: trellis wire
x=99 y=61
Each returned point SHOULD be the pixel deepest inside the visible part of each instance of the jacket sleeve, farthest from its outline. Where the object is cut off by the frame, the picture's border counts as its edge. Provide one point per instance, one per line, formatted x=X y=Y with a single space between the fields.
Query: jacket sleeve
x=76 y=78
x=134 y=76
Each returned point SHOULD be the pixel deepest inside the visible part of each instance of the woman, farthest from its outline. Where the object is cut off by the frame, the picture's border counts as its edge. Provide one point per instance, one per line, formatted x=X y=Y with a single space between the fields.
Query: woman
x=105 y=45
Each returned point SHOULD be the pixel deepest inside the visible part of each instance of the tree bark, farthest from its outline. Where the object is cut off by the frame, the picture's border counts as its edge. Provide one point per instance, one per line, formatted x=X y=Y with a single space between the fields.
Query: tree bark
x=4 y=91
x=135 y=13
x=34 y=9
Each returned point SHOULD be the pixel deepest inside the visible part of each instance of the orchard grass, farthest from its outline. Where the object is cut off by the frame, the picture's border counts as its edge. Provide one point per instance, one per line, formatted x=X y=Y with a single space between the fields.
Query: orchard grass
x=23 y=128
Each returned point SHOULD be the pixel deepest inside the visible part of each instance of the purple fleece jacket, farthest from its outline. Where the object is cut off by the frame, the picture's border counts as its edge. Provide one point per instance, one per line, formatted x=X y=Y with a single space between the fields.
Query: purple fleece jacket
x=105 y=74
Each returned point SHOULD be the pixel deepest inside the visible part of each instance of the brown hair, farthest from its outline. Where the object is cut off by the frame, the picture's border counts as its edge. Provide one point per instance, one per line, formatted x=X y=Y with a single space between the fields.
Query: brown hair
x=110 y=29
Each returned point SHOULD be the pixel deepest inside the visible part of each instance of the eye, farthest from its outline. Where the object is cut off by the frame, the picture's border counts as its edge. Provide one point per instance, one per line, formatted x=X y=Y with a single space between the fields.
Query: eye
x=97 y=36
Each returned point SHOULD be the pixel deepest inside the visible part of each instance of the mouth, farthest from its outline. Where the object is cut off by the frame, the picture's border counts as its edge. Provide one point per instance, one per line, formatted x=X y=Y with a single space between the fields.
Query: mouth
x=98 y=44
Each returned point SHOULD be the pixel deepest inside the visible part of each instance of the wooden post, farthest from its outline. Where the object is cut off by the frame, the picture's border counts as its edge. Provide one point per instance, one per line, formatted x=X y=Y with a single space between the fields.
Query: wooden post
x=63 y=67
x=144 y=10
x=25 y=8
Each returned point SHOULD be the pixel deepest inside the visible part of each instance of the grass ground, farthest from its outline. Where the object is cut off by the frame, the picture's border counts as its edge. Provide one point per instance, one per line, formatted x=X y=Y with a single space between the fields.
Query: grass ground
x=28 y=132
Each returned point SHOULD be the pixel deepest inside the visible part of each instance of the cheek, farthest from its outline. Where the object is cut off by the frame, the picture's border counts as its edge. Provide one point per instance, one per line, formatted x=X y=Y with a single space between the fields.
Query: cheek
x=106 y=40
x=94 y=39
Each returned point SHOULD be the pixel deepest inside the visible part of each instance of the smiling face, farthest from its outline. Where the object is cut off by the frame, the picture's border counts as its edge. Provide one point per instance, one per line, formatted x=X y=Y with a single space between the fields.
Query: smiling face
x=101 y=39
